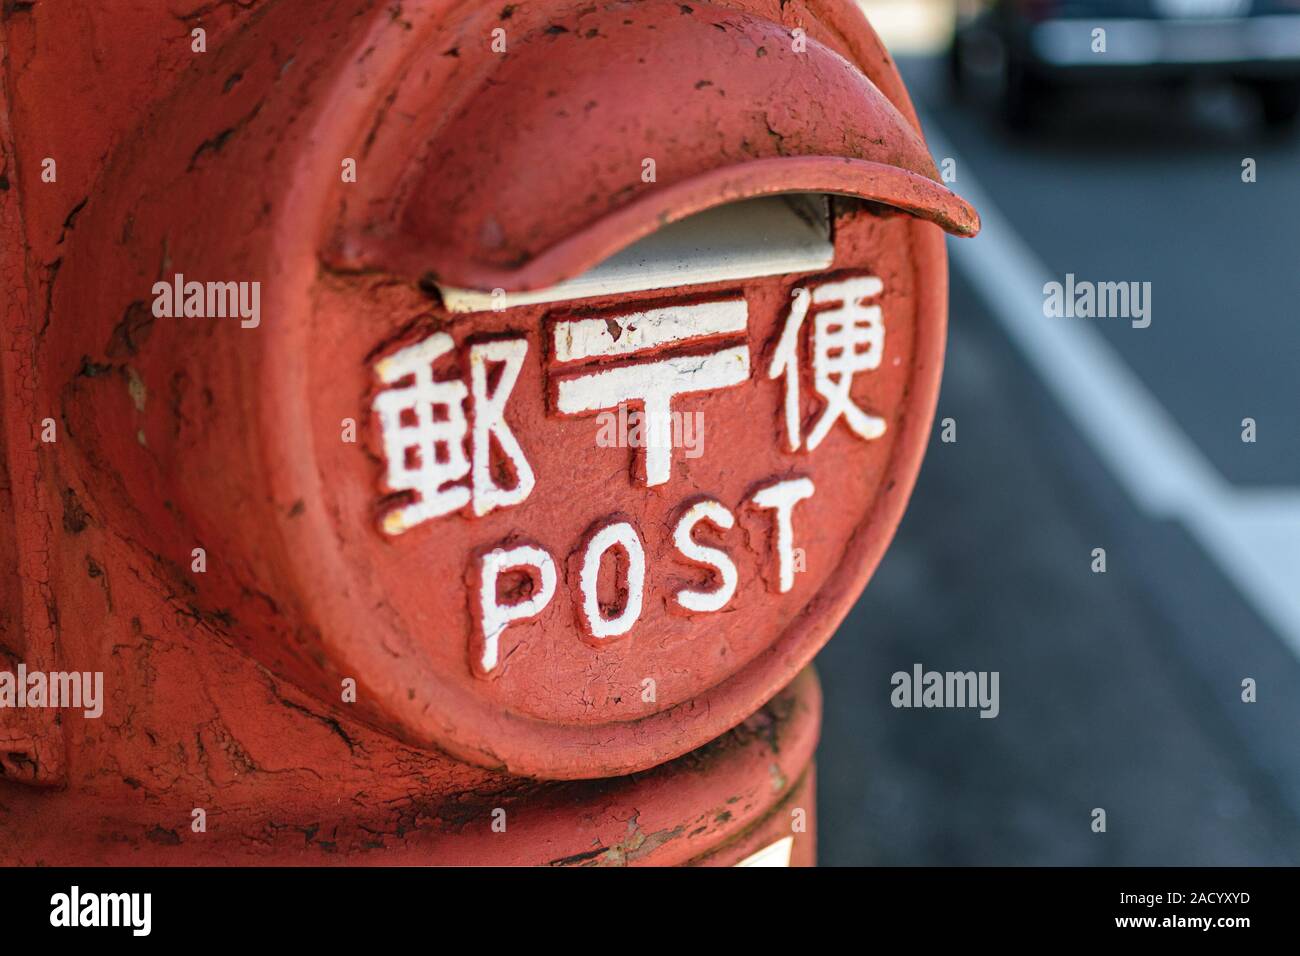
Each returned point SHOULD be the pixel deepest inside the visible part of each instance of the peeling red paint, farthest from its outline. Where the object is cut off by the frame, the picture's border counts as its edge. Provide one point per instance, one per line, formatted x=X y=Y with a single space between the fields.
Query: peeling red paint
x=225 y=688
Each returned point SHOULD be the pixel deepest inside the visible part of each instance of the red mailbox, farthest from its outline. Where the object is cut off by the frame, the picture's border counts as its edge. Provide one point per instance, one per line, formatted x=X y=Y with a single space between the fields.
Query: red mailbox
x=449 y=394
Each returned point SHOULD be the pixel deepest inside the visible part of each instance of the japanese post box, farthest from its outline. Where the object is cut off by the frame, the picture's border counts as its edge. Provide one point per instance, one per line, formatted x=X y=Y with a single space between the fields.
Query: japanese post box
x=451 y=392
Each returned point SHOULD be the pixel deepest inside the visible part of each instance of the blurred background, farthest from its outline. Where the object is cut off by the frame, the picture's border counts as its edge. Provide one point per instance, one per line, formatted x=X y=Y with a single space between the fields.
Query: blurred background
x=1120 y=690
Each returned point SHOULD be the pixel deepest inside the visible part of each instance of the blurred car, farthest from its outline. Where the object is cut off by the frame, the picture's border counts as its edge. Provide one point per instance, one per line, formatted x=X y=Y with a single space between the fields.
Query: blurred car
x=1041 y=47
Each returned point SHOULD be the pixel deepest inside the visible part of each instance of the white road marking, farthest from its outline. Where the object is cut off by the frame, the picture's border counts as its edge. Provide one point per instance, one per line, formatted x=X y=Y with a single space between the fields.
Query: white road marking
x=1252 y=534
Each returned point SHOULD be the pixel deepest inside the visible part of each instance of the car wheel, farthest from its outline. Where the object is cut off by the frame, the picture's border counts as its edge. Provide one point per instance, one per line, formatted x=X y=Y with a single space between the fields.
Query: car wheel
x=956 y=67
x=1025 y=96
x=1280 y=102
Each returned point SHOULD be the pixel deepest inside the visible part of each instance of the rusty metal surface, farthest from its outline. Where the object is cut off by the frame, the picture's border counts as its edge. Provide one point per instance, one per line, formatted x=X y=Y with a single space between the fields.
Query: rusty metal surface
x=540 y=173
x=282 y=788
x=174 y=433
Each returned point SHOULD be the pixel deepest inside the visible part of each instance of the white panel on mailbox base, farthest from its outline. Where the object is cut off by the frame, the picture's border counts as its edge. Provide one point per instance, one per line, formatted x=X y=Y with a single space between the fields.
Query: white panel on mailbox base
x=778 y=854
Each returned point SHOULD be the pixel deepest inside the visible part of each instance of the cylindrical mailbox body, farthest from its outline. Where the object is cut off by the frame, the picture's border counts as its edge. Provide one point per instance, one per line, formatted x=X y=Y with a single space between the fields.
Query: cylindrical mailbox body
x=428 y=395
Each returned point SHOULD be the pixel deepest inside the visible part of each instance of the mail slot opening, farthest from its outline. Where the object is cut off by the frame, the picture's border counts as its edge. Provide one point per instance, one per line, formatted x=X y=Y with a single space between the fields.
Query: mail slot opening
x=752 y=238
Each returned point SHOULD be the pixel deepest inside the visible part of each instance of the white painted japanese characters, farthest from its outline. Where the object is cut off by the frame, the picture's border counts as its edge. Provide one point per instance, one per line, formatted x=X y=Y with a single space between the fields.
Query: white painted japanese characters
x=653 y=384
x=424 y=429
x=449 y=446
x=848 y=338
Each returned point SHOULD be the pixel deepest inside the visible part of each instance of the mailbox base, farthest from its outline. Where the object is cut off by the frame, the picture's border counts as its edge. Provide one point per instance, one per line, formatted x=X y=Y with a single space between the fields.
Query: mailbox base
x=747 y=796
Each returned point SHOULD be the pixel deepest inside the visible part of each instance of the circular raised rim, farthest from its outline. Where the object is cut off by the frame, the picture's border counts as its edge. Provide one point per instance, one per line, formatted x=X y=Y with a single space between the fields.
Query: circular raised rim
x=495 y=739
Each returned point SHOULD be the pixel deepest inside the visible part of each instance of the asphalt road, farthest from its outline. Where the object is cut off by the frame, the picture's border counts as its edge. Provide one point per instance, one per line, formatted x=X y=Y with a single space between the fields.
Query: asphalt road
x=1121 y=690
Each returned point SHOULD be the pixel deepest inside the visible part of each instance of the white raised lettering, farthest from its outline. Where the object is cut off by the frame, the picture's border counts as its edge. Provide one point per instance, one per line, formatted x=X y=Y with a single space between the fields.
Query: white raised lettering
x=706 y=600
